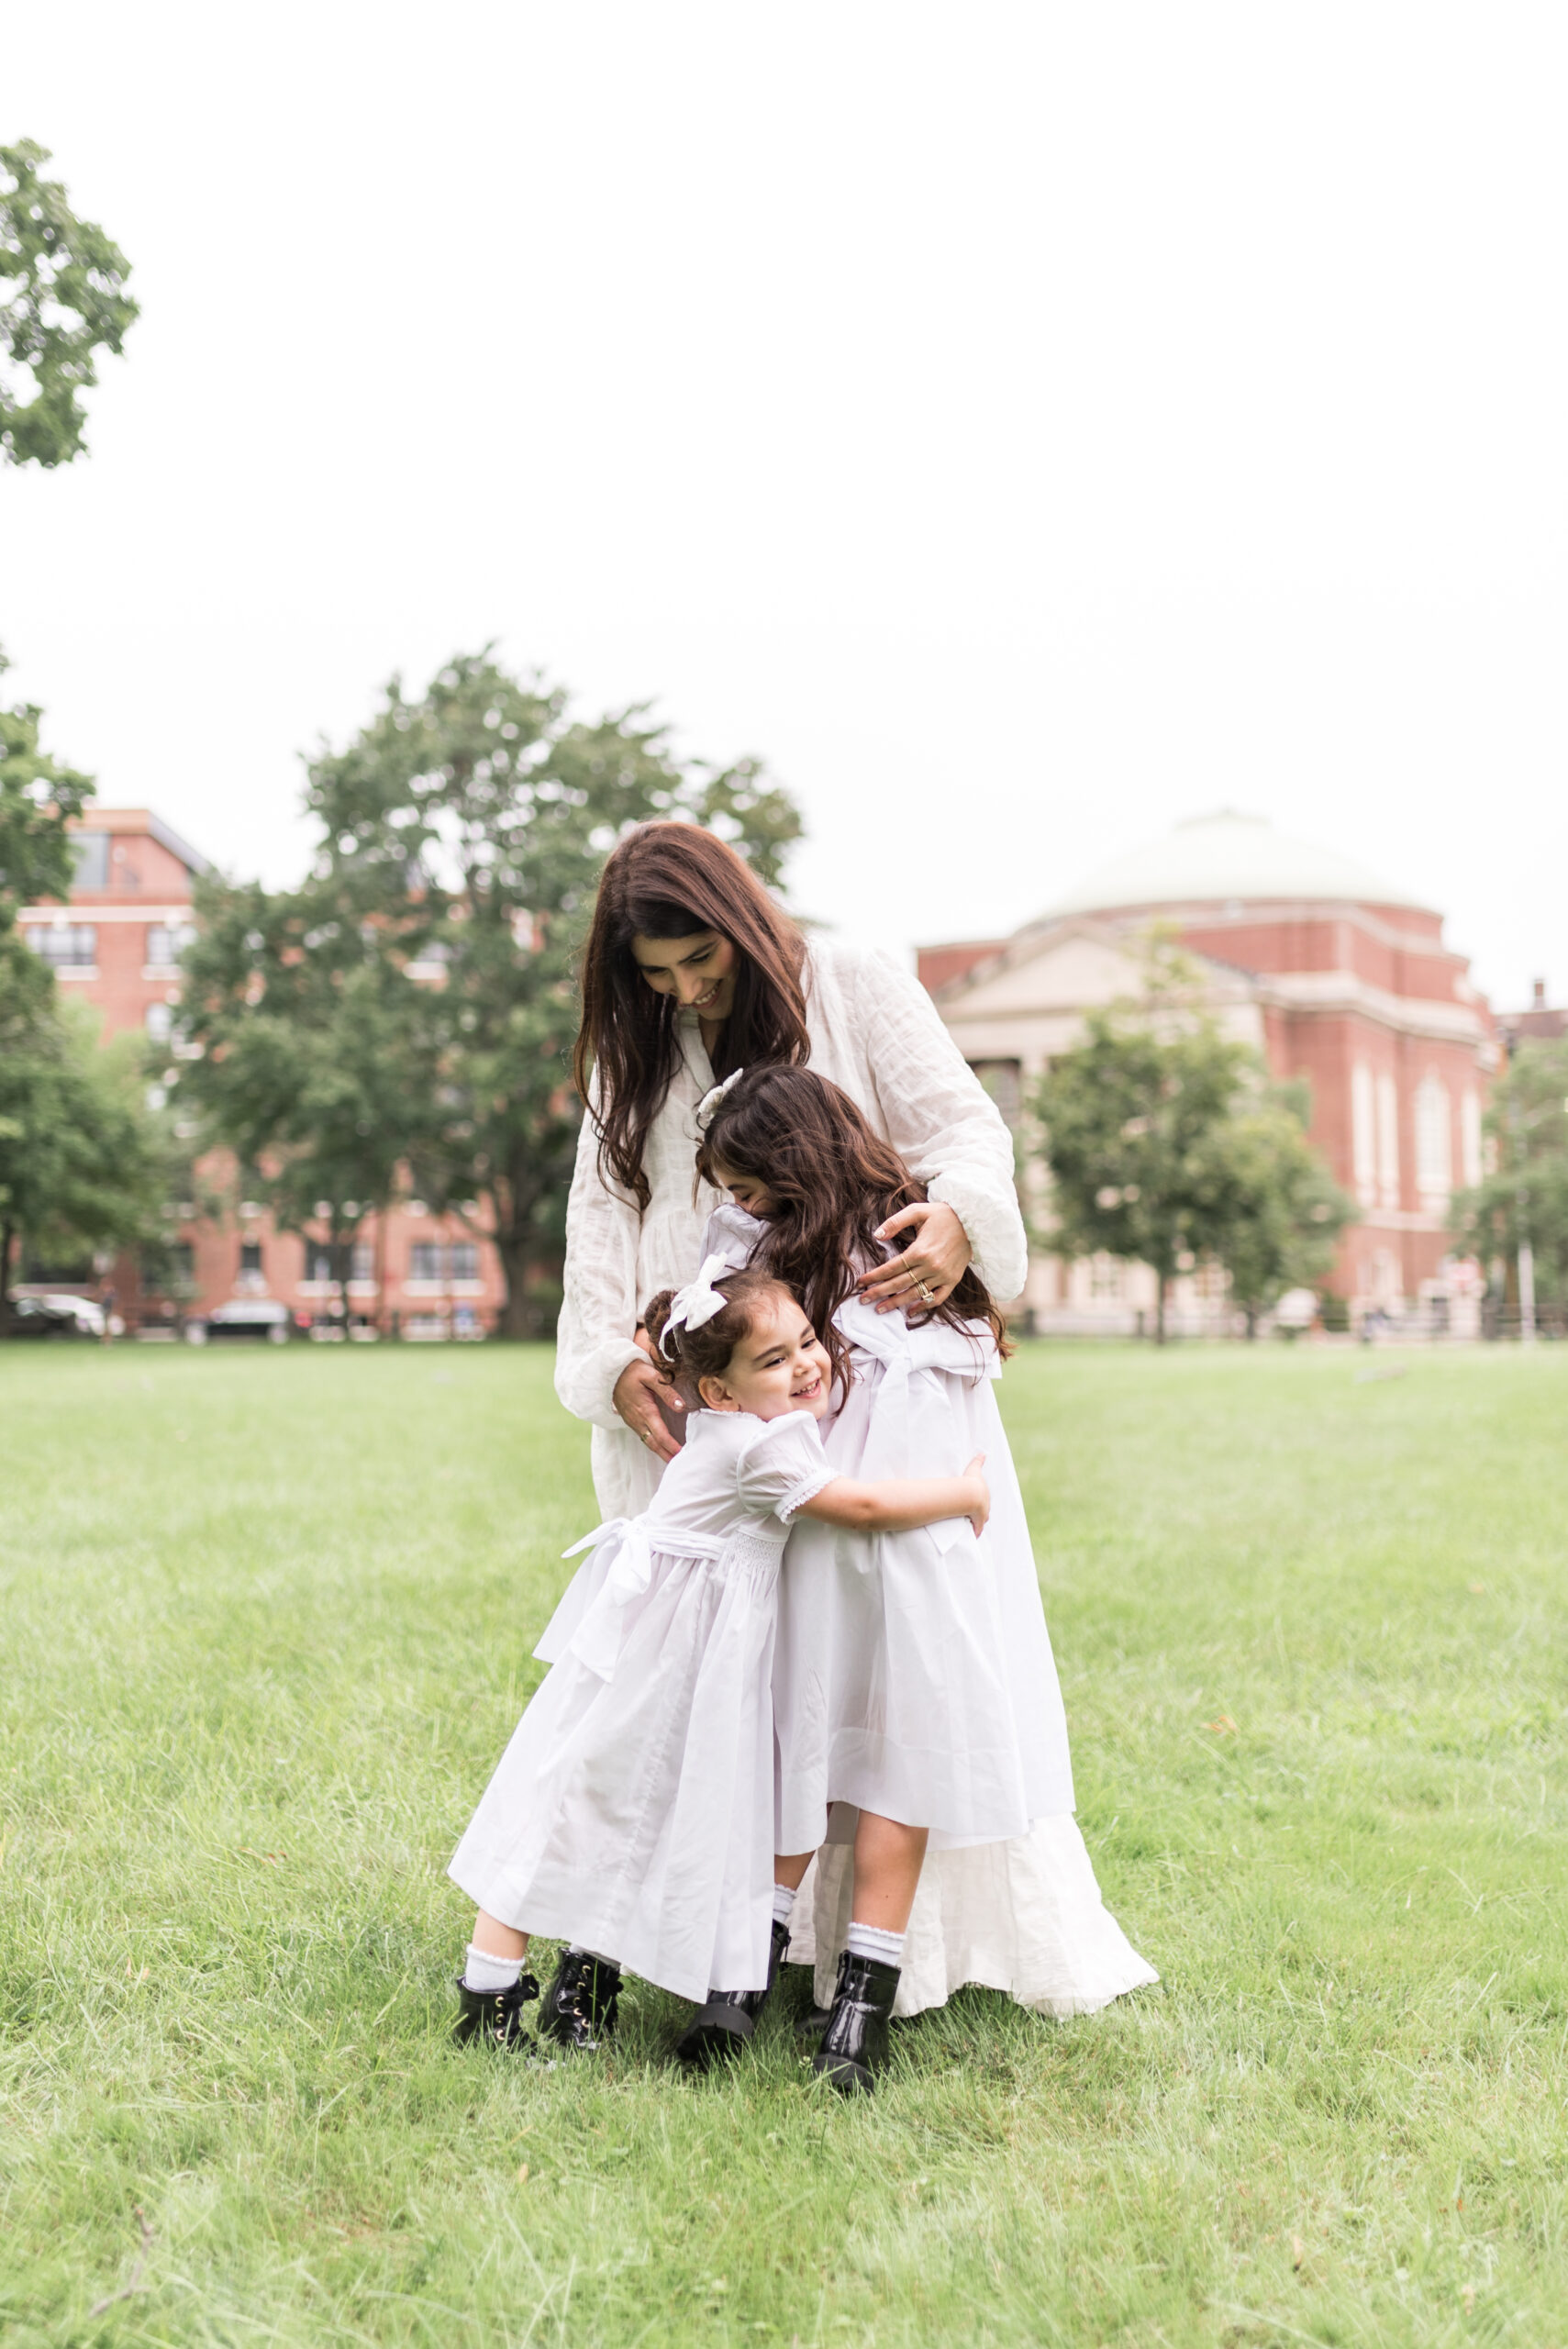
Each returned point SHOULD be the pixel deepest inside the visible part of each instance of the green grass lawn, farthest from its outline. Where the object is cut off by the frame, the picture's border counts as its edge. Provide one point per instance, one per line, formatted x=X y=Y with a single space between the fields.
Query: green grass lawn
x=267 y=1622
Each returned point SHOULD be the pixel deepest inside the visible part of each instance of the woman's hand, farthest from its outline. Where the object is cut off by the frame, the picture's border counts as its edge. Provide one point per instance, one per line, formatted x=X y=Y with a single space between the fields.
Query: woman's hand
x=639 y=1392
x=936 y=1259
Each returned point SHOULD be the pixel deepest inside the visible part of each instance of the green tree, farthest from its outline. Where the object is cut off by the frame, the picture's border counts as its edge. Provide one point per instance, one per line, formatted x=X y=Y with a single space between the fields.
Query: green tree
x=83 y=1161
x=1130 y=1121
x=412 y=1007
x=1288 y=1212
x=1525 y=1198
x=1166 y=1143
x=65 y=301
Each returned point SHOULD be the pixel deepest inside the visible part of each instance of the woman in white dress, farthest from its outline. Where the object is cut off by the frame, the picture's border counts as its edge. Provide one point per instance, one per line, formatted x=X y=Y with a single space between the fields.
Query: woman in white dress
x=692 y=971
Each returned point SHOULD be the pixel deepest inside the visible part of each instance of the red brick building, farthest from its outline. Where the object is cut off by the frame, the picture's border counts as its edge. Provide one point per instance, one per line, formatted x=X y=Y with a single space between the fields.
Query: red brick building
x=117 y=945
x=1337 y=977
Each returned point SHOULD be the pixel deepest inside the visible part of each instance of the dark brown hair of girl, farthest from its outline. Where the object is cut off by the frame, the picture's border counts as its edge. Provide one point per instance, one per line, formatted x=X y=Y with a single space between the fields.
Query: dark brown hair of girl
x=835 y=1181
x=670 y=881
x=696 y=1355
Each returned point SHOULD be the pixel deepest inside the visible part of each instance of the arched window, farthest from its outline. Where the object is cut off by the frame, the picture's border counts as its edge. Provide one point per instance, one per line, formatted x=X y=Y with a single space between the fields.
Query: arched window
x=1469 y=1136
x=1388 y=1141
x=1363 y=1133
x=1434 y=1145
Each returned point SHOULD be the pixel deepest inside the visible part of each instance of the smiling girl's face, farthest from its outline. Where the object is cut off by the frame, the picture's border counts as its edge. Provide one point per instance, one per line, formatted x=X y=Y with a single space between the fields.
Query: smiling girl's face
x=747 y=1192
x=780 y=1365
x=699 y=970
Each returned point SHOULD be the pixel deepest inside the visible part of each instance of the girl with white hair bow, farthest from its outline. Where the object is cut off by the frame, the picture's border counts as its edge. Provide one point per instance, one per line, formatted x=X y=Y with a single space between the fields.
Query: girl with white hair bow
x=632 y=1814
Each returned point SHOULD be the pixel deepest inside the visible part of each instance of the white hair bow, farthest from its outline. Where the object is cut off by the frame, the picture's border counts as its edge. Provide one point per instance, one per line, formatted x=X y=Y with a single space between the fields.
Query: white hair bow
x=713 y=1097
x=697 y=1302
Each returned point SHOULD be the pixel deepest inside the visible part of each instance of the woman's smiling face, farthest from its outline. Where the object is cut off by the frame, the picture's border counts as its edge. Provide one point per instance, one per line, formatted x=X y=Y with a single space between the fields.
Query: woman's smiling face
x=699 y=970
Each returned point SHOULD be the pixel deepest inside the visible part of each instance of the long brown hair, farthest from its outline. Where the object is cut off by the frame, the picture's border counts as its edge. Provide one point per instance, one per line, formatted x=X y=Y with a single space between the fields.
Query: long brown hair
x=834 y=1180
x=667 y=881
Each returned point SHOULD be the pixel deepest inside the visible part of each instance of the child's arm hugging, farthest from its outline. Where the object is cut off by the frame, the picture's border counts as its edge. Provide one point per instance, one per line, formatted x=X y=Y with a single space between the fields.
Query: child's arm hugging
x=899 y=1504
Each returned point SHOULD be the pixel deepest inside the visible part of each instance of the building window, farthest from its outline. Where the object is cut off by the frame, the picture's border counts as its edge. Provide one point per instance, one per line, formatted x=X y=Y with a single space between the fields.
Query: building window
x=1434 y=1148
x=430 y=1261
x=363 y=1264
x=166 y=942
x=159 y=1022
x=1107 y=1279
x=1004 y=1081
x=1469 y=1156
x=91 y=851
x=68 y=945
x=1363 y=1132
x=317 y=1263
x=1388 y=1140
x=250 y=1255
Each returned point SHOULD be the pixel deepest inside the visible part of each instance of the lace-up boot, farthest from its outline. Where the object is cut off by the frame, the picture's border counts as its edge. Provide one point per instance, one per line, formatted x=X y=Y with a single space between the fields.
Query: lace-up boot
x=854 y=2045
x=726 y=2020
x=579 y=2008
x=496 y=2017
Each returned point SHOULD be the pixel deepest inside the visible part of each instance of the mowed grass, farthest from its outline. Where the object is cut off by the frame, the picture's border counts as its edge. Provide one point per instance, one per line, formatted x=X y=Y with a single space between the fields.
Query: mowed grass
x=267 y=1622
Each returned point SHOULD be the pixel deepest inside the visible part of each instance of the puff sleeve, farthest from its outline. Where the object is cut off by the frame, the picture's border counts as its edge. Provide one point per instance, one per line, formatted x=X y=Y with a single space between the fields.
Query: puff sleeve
x=942 y=1121
x=783 y=1467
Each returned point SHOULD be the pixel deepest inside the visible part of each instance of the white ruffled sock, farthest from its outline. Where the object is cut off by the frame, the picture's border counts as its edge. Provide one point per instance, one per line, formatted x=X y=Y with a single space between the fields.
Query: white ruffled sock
x=870 y=1940
x=783 y=1903
x=484 y=1971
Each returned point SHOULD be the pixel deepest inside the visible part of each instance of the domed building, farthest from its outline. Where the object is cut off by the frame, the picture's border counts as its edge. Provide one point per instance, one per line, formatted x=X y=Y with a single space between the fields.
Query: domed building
x=1336 y=976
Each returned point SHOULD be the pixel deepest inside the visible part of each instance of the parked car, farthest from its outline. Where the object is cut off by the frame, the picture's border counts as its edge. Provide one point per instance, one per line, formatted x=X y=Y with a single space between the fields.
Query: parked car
x=244 y=1317
x=56 y=1317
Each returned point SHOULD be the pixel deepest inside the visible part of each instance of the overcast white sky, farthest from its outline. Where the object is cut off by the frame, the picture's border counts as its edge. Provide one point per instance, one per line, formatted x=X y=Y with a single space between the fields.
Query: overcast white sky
x=1025 y=426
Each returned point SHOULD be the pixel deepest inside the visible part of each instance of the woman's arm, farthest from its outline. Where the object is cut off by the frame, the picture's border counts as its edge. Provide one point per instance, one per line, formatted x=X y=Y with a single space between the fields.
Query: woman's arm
x=900 y=1504
x=951 y=1133
x=597 y=1338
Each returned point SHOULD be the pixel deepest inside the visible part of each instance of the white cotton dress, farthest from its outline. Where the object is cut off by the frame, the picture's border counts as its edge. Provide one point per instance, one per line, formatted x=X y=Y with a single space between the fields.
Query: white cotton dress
x=913 y=1676
x=1025 y=1915
x=632 y=1812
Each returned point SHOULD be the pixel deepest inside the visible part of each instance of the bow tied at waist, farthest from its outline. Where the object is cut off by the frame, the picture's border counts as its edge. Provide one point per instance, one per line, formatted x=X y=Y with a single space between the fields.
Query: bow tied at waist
x=911 y=1430
x=590 y=1619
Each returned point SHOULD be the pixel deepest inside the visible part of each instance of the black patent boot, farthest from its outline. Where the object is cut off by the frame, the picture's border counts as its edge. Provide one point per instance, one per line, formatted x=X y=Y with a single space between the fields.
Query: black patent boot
x=854 y=2045
x=494 y=2017
x=579 y=2009
x=726 y=2020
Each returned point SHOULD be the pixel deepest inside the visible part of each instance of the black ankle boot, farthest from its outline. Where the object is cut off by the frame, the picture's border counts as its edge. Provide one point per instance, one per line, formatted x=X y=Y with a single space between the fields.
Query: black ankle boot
x=494 y=2016
x=579 y=2008
x=854 y=2045
x=726 y=2020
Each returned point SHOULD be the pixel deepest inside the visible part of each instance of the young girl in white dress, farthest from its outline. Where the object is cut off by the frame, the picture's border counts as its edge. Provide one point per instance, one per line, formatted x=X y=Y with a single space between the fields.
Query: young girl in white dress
x=914 y=1711
x=632 y=1813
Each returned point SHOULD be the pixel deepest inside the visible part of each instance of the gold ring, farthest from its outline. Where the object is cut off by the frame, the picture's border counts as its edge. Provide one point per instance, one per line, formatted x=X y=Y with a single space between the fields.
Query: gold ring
x=928 y=1296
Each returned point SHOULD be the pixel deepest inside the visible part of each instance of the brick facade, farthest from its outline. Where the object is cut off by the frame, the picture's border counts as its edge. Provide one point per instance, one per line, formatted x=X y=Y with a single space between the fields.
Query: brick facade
x=1362 y=1000
x=116 y=946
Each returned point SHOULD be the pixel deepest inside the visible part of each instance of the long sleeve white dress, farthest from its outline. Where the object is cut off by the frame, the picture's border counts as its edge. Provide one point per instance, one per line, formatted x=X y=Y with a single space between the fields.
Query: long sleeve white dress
x=875 y=1031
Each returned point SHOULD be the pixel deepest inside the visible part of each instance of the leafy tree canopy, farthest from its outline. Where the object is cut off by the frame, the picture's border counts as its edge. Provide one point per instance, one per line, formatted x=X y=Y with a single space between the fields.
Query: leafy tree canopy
x=37 y=800
x=62 y=300
x=408 y=1012
x=1526 y=1195
x=1167 y=1144
x=83 y=1163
